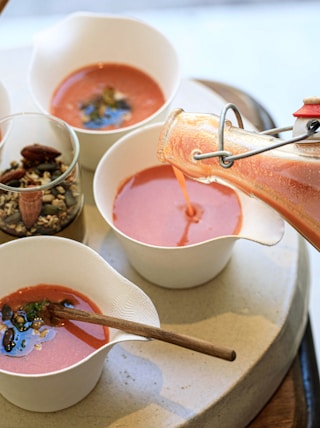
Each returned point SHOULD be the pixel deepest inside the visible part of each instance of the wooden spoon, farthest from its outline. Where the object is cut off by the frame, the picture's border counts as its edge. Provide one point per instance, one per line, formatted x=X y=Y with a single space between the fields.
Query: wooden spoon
x=148 y=331
x=3 y=4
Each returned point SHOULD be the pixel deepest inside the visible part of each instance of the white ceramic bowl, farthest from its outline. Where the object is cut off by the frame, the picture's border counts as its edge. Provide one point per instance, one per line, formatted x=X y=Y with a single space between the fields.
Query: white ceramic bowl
x=54 y=260
x=5 y=103
x=82 y=39
x=174 y=267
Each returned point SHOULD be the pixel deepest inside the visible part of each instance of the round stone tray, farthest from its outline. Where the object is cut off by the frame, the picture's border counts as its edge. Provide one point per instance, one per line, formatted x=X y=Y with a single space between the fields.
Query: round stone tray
x=258 y=306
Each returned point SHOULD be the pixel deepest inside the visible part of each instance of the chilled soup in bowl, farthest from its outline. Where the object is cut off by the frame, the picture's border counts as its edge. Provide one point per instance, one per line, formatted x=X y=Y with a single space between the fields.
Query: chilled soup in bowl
x=31 y=345
x=157 y=207
x=106 y=96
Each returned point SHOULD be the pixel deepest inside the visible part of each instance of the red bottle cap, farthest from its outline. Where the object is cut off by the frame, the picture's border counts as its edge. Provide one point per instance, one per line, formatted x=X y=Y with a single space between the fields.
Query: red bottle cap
x=310 y=108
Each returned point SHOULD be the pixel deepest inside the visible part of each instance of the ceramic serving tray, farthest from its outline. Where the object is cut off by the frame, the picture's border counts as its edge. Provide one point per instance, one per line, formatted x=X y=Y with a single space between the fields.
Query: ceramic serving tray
x=258 y=306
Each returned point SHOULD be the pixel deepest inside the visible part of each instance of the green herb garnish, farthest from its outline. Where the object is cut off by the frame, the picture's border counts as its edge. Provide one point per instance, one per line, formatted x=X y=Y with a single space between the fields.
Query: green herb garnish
x=33 y=309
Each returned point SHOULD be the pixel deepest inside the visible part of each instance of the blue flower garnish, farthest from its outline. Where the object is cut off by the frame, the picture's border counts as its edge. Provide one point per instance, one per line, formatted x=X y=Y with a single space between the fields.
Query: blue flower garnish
x=109 y=108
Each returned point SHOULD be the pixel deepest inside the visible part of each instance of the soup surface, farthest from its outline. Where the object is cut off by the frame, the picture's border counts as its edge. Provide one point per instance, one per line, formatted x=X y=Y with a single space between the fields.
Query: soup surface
x=34 y=350
x=106 y=96
x=150 y=207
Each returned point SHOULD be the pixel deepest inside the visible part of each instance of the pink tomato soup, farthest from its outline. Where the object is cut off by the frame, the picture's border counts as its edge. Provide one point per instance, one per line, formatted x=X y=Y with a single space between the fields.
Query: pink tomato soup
x=69 y=342
x=151 y=208
x=106 y=96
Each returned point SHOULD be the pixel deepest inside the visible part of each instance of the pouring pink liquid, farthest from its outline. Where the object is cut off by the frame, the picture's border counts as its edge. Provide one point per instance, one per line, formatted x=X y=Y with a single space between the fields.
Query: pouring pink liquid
x=287 y=179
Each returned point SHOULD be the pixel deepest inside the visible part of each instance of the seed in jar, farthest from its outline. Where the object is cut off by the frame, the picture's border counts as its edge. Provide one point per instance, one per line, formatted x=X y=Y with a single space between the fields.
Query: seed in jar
x=50 y=209
x=20 y=229
x=47 y=198
x=60 y=189
x=59 y=203
x=69 y=199
x=48 y=166
x=13 y=218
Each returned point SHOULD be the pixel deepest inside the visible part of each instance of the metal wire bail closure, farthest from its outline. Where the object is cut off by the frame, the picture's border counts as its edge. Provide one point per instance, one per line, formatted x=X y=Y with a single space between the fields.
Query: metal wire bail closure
x=222 y=158
x=221 y=153
x=226 y=159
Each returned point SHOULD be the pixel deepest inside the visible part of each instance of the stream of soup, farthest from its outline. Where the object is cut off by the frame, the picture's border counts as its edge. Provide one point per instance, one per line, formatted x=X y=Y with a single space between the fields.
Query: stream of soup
x=34 y=350
x=152 y=208
x=106 y=96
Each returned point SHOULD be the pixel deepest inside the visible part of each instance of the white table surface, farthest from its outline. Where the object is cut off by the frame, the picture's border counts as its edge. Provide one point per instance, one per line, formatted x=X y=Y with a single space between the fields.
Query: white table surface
x=268 y=50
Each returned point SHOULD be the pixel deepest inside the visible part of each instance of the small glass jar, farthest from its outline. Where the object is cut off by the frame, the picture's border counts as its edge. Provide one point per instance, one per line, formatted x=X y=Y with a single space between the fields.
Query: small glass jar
x=40 y=186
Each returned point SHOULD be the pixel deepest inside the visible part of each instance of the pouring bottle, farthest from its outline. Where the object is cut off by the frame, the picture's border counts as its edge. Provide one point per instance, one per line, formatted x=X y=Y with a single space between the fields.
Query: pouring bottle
x=285 y=174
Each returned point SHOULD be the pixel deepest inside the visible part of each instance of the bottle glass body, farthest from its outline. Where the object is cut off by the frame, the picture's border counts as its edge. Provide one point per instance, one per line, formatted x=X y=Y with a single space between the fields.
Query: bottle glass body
x=287 y=179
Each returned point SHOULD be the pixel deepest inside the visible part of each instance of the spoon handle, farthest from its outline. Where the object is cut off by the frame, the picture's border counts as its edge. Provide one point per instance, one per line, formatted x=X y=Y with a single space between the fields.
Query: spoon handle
x=144 y=330
x=3 y=4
